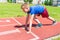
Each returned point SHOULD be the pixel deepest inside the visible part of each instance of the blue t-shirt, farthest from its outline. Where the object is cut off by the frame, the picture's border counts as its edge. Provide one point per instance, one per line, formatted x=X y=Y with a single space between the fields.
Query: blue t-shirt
x=36 y=9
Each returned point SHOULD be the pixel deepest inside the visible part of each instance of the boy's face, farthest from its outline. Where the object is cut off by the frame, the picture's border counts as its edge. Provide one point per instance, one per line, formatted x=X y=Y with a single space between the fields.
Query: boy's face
x=25 y=8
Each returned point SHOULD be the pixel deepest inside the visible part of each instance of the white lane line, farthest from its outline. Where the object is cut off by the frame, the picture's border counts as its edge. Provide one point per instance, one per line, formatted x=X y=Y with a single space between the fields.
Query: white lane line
x=16 y=21
x=54 y=37
x=8 y=21
x=36 y=37
x=9 y=32
x=8 y=25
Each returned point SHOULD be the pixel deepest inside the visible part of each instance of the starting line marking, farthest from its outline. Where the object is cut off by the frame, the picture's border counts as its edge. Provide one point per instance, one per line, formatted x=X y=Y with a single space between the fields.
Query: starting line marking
x=7 y=25
x=5 y=21
x=36 y=37
x=9 y=32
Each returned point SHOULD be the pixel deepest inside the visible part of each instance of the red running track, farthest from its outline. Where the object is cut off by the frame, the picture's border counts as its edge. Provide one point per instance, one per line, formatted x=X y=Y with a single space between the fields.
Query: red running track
x=12 y=29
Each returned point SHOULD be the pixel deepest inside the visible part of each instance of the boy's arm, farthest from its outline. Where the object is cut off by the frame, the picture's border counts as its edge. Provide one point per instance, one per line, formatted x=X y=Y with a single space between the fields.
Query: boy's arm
x=27 y=18
x=31 y=19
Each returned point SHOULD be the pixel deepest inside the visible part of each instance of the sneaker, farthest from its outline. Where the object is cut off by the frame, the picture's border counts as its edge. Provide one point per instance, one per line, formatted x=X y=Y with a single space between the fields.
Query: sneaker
x=26 y=29
x=39 y=25
x=54 y=22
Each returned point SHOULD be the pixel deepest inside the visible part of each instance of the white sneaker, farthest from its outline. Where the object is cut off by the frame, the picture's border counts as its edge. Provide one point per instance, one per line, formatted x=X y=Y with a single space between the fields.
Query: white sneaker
x=54 y=22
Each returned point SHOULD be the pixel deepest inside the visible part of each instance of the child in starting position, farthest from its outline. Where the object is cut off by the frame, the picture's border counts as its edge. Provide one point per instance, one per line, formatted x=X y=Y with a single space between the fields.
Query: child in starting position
x=34 y=11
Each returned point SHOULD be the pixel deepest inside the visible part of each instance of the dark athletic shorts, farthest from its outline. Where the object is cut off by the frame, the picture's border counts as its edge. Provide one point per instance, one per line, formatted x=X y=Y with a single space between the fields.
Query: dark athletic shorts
x=44 y=14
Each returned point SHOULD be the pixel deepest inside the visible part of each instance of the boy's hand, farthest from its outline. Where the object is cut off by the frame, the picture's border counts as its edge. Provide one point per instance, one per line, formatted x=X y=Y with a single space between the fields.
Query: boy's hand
x=26 y=28
x=25 y=25
x=27 y=18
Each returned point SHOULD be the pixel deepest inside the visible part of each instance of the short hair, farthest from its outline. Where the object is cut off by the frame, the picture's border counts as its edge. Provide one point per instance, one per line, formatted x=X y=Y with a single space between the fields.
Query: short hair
x=24 y=4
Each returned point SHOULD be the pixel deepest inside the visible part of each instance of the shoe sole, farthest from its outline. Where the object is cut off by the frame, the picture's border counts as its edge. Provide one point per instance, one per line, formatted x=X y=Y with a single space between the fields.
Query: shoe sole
x=54 y=24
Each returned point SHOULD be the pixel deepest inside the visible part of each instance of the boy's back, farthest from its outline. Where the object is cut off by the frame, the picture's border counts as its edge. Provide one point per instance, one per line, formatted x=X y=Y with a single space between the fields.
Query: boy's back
x=36 y=9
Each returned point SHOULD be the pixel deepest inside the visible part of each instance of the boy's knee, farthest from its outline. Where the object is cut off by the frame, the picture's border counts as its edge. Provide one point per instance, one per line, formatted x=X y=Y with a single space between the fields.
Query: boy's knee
x=34 y=18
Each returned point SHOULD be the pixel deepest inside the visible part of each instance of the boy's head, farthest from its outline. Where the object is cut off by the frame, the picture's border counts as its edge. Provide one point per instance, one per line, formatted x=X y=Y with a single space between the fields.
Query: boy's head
x=25 y=7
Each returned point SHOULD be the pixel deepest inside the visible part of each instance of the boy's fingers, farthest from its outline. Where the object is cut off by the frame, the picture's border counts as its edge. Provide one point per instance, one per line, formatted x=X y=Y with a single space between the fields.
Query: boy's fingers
x=26 y=29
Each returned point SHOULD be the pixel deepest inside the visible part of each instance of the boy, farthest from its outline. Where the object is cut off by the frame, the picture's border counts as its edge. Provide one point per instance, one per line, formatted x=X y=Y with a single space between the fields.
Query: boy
x=34 y=11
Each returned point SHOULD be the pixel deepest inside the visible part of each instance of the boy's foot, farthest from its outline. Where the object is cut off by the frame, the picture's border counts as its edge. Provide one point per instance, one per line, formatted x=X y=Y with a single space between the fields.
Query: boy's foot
x=26 y=29
x=54 y=22
x=39 y=25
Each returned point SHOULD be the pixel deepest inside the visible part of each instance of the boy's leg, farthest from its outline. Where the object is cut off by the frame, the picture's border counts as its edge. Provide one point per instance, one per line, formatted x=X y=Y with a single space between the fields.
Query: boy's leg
x=46 y=15
x=37 y=21
x=52 y=19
